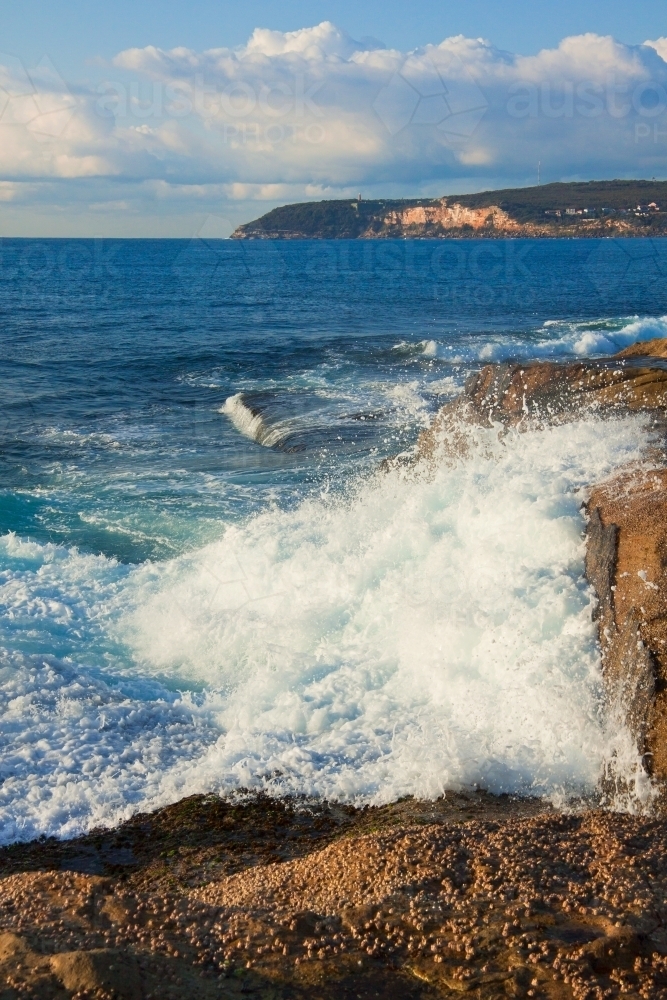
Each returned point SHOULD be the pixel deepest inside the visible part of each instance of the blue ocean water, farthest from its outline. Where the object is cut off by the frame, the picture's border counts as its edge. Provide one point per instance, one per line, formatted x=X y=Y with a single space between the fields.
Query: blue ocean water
x=204 y=580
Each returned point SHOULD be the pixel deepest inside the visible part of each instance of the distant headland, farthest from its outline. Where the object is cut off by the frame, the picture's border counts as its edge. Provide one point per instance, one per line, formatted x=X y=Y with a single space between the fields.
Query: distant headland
x=593 y=208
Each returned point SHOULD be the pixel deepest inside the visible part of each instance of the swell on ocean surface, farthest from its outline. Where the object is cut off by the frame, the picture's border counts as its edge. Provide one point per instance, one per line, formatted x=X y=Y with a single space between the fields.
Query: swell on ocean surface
x=424 y=631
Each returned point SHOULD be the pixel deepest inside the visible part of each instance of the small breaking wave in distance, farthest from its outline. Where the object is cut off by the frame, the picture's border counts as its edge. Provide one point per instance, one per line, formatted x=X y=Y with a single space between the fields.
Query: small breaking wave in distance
x=250 y=422
x=556 y=339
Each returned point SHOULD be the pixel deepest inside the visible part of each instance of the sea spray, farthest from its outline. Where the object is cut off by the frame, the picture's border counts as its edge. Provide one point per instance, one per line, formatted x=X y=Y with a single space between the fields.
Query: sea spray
x=555 y=339
x=429 y=630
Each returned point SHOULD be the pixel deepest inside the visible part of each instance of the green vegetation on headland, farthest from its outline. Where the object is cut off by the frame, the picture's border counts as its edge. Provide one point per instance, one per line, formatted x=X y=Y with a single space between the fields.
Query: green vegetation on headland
x=594 y=208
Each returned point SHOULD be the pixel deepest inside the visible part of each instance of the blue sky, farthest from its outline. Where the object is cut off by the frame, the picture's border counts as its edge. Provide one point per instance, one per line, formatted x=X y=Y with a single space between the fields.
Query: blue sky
x=171 y=118
x=76 y=30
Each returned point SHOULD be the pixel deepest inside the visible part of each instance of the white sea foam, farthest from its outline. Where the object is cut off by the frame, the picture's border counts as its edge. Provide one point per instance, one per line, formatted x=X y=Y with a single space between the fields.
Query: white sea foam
x=606 y=341
x=251 y=423
x=428 y=632
x=559 y=338
x=73 y=439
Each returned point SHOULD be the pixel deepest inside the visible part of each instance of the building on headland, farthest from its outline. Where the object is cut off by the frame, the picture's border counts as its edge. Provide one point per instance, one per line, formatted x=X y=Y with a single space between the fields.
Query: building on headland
x=596 y=208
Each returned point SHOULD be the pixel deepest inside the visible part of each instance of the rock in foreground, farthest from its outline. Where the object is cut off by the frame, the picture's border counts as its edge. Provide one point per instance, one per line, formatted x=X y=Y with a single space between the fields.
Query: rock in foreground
x=626 y=563
x=490 y=897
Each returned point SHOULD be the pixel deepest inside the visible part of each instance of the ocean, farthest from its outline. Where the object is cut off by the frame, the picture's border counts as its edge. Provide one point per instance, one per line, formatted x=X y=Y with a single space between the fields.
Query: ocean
x=208 y=580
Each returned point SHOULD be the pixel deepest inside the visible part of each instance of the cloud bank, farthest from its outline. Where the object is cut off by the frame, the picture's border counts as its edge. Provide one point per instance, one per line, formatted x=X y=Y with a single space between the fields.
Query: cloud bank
x=314 y=113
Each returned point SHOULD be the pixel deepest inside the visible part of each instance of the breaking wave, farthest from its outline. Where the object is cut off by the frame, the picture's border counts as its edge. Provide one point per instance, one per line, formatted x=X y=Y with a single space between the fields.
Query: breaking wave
x=427 y=632
x=250 y=422
x=556 y=339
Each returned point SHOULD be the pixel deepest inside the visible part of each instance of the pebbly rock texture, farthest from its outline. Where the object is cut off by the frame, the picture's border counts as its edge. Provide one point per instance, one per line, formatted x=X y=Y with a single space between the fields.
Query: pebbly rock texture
x=493 y=897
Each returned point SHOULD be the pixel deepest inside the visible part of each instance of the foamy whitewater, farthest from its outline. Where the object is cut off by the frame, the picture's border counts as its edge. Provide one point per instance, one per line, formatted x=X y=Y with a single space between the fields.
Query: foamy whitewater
x=424 y=633
x=207 y=582
x=556 y=339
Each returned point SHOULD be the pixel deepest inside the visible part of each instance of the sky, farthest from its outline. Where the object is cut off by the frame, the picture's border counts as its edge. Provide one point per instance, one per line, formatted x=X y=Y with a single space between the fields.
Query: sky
x=174 y=119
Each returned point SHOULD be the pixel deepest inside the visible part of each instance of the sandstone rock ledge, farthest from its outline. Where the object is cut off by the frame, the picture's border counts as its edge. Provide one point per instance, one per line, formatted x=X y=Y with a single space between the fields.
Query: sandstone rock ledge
x=494 y=898
x=634 y=380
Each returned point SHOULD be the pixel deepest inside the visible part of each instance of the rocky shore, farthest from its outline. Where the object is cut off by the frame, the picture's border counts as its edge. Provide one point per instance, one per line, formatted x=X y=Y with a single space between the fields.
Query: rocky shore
x=443 y=221
x=626 y=558
x=493 y=897
x=470 y=894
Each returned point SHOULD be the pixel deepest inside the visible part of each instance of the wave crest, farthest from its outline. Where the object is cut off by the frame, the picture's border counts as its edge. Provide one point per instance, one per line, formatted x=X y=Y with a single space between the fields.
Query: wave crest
x=249 y=421
x=556 y=339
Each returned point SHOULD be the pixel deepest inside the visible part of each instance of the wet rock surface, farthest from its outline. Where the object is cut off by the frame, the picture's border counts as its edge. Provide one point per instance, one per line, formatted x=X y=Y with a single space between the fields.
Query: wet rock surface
x=493 y=897
x=512 y=394
x=627 y=563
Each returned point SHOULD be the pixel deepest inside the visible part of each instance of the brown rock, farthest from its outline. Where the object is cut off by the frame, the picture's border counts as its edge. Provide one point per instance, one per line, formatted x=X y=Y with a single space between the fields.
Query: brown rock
x=511 y=393
x=604 y=952
x=415 y=900
x=626 y=563
x=656 y=348
x=100 y=969
x=12 y=946
x=601 y=552
x=21 y=965
x=114 y=910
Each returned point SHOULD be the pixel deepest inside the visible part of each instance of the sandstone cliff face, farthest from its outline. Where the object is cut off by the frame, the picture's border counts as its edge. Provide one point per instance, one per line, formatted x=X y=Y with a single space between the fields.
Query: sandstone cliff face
x=442 y=216
x=436 y=219
x=627 y=565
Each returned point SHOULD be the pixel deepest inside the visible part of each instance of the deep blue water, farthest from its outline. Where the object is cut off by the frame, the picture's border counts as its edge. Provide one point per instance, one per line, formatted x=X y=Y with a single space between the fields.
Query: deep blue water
x=116 y=357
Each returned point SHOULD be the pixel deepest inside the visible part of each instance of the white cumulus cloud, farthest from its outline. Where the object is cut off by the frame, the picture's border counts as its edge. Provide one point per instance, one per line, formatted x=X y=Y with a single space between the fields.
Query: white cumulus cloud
x=293 y=114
